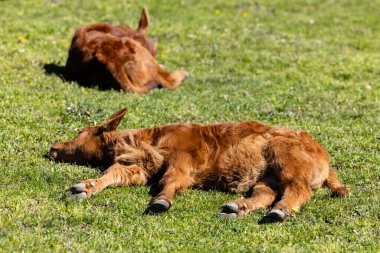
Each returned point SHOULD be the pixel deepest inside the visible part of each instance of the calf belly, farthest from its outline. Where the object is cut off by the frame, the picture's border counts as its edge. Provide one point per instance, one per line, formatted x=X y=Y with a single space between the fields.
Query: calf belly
x=238 y=167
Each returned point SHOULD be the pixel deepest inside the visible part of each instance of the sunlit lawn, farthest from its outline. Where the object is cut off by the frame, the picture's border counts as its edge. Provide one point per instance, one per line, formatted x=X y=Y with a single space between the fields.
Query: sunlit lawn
x=312 y=65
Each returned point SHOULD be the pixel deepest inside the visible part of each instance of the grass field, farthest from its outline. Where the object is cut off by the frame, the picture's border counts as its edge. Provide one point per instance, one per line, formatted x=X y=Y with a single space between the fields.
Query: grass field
x=312 y=65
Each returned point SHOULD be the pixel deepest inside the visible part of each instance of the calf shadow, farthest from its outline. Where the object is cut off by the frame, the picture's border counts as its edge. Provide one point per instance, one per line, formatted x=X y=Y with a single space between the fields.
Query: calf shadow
x=96 y=76
x=155 y=188
x=93 y=74
x=56 y=70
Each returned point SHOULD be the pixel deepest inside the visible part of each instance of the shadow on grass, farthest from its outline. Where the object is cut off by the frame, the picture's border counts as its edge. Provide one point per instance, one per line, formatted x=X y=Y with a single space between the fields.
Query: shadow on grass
x=57 y=70
x=154 y=189
x=100 y=168
x=99 y=73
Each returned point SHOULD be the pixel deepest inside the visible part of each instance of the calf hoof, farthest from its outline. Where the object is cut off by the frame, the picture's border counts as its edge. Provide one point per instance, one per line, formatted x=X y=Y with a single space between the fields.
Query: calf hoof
x=229 y=207
x=186 y=75
x=158 y=206
x=275 y=215
x=228 y=210
x=227 y=215
x=76 y=191
x=78 y=187
x=79 y=196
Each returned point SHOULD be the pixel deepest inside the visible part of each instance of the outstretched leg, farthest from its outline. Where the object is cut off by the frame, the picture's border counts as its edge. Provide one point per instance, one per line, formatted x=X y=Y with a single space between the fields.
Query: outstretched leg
x=263 y=195
x=171 y=80
x=116 y=175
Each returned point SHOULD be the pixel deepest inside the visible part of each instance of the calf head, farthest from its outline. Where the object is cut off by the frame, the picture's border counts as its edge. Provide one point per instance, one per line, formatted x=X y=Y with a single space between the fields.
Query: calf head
x=93 y=145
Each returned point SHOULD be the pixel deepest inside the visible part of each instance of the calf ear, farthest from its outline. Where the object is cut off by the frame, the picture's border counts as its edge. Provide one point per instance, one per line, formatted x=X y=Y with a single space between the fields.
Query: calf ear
x=144 y=20
x=114 y=120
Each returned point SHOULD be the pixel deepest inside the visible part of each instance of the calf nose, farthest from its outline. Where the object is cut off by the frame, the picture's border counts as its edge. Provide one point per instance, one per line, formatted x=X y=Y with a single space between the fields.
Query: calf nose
x=55 y=150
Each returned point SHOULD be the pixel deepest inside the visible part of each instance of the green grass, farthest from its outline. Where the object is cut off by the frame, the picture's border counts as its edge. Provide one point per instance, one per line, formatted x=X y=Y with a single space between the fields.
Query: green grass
x=312 y=65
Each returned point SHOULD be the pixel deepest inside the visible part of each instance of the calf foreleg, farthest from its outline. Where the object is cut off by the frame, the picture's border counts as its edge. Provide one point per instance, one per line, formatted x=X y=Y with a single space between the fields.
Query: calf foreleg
x=176 y=178
x=116 y=175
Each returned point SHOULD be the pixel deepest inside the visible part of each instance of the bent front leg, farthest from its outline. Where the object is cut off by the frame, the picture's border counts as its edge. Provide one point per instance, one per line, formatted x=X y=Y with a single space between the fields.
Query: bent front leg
x=116 y=175
x=176 y=179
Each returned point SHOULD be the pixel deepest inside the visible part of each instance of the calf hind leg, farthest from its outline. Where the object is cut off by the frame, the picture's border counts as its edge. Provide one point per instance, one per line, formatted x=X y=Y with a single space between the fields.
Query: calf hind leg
x=171 y=80
x=296 y=193
x=263 y=195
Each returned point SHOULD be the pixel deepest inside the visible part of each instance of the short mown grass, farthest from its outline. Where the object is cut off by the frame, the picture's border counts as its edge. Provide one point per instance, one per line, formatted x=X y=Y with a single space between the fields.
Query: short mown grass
x=312 y=65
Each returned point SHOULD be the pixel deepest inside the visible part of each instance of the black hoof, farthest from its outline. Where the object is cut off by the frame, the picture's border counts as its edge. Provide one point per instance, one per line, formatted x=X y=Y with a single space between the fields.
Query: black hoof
x=158 y=206
x=229 y=207
x=78 y=196
x=77 y=188
x=227 y=215
x=275 y=215
x=76 y=191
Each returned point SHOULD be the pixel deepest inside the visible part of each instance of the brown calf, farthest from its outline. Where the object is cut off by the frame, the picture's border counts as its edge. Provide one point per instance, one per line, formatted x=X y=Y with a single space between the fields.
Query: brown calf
x=118 y=57
x=278 y=166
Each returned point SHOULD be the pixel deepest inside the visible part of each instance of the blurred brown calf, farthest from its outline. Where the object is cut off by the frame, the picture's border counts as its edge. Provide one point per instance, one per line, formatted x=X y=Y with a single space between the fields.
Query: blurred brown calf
x=118 y=57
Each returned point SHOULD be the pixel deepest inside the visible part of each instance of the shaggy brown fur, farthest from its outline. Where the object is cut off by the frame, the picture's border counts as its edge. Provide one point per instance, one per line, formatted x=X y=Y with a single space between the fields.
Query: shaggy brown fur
x=118 y=57
x=278 y=166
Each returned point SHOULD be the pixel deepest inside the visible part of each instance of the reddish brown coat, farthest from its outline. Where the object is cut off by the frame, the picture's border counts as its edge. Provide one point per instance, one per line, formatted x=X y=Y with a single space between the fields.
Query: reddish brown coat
x=278 y=166
x=118 y=57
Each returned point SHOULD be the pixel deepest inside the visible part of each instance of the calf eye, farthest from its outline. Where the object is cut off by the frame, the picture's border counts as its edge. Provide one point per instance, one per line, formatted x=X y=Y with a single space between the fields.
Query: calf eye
x=126 y=163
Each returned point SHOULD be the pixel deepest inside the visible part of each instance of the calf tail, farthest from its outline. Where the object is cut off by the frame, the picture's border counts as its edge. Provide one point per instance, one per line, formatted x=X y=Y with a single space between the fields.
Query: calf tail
x=335 y=186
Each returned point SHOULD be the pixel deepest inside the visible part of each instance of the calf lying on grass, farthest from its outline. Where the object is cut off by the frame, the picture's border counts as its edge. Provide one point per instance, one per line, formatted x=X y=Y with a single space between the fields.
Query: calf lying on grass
x=118 y=57
x=278 y=166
